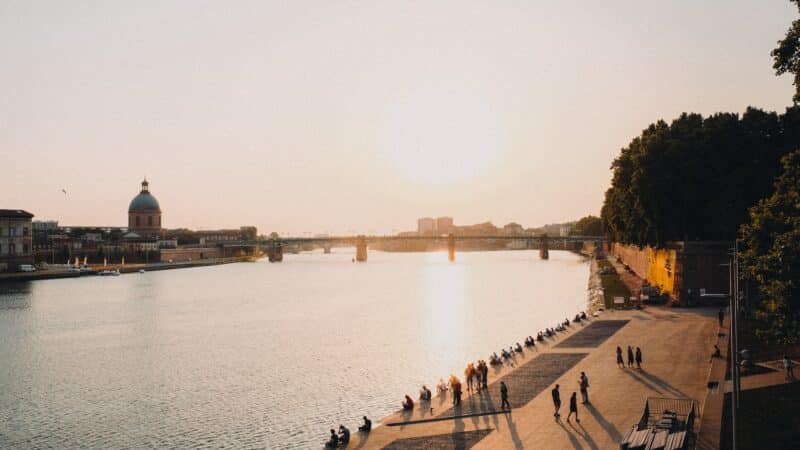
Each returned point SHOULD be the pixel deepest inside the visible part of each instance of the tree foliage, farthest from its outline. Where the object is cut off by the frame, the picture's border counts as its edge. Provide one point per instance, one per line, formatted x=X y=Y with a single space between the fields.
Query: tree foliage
x=771 y=255
x=787 y=54
x=588 y=226
x=694 y=179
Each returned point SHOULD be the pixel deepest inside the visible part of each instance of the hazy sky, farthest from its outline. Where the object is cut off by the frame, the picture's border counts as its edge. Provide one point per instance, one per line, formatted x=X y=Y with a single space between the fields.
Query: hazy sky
x=338 y=116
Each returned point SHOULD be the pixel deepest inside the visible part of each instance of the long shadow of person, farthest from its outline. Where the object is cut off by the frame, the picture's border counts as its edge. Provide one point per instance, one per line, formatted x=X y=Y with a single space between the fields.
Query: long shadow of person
x=672 y=390
x=585 y=435
x=606 y=425
x=576 y=444
x=513 y=430
x=646 y=383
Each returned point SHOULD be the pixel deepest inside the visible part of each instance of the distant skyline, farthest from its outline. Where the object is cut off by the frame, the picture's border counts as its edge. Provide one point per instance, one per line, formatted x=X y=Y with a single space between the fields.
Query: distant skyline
x=338 y=117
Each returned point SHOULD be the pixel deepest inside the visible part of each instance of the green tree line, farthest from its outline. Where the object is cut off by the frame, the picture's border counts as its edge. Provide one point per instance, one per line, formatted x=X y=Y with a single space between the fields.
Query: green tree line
x=695 y=178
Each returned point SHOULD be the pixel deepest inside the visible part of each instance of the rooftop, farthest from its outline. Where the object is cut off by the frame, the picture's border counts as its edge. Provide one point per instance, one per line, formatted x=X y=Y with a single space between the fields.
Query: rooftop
x=15 y=214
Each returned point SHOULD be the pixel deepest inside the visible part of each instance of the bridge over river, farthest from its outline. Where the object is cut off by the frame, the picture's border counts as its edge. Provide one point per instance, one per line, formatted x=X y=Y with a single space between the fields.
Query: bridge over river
x=274 y=248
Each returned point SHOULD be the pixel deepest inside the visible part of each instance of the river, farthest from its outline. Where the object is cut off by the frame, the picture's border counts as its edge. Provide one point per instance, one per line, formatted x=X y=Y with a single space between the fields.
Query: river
x=260 y=354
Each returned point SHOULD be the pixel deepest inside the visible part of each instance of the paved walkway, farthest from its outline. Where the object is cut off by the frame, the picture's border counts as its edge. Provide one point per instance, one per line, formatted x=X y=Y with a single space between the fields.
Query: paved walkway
x=676 y=344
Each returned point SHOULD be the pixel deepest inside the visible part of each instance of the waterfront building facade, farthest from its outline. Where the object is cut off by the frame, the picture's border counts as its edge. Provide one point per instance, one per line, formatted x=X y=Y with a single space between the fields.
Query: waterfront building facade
x=513 y=229
x=444 y=225
x=426 y=225
x=16 y=239
x=144 y=213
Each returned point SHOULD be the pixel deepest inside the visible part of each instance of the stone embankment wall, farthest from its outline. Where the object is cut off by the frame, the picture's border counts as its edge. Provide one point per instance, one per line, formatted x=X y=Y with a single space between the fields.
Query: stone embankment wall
x=190 y=254
x=681 y=269
x=657 y=266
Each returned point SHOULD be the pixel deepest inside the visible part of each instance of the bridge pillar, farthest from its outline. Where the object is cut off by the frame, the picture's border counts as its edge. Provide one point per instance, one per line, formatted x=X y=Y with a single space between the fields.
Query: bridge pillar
x=544 y=247
x=451 y=248
x=275 y=252
x=361 y=248
x=326 y=247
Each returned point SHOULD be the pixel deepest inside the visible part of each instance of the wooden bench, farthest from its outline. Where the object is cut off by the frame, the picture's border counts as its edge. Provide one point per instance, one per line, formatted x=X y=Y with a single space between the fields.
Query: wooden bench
x=659 y=440
x=626 y=438
x=676 y=441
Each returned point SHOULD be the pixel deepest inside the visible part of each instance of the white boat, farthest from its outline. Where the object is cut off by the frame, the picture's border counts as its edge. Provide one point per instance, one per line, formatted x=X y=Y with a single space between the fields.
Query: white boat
x=141 y=270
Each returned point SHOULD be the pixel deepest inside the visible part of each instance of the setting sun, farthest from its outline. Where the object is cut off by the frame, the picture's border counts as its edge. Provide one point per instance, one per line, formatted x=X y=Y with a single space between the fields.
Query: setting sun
x=442 y=136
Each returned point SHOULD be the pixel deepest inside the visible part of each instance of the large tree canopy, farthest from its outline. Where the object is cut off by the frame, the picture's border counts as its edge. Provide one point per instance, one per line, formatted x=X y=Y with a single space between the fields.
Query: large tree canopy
x=771 y=255
x=787 y=54
x=695 y=178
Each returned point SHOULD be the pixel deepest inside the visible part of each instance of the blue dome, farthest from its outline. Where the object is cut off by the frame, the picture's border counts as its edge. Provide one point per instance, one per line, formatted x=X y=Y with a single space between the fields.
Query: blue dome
x=145 y=201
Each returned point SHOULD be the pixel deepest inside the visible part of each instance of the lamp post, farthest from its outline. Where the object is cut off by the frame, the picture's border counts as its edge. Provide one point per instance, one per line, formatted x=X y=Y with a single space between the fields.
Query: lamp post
x=733 y=297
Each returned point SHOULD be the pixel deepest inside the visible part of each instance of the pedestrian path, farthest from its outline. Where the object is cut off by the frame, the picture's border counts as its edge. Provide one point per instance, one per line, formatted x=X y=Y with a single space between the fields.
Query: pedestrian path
x=595 y=334
x=676 y=345
x=464 y=440
x=526 y=382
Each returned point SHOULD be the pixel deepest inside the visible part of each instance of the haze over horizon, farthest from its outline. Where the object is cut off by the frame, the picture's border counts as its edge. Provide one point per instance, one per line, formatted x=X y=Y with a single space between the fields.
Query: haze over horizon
x=346 y=117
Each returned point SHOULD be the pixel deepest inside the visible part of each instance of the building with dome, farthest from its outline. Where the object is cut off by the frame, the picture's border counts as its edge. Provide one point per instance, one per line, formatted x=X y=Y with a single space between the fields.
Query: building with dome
x=144 y=213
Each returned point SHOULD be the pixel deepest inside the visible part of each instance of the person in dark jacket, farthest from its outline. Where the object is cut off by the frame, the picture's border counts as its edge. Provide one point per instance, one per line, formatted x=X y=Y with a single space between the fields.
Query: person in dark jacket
x=344 y=435
x=334 y=441
x=367 y=425
x=638 y=358
x=573 y=407
x=504 y=395
x=620 y=362
x=630 y=356
x=556 y=402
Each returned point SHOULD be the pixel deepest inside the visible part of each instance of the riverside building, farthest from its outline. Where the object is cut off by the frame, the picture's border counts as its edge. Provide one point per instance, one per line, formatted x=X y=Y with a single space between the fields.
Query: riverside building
x=144 y=214
x=16 y=239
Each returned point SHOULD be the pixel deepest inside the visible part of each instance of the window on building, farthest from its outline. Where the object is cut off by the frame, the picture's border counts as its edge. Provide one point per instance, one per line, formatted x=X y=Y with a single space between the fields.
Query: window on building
x=137 y=221
x=149 y=221
x=24 y=231
x=1 y=231
x=12 y=249
x=1 y=249
x=25 y=249
x=12 y=231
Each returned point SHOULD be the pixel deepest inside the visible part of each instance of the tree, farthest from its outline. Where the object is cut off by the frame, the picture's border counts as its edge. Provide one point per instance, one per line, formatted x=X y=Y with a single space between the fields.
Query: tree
x=587 y=226
x=787 y=54
x=695 y=178
x=771 y=255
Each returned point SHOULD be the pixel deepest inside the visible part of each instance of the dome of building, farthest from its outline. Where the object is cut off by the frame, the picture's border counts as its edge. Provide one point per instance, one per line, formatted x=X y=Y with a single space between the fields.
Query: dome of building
x=145 y=201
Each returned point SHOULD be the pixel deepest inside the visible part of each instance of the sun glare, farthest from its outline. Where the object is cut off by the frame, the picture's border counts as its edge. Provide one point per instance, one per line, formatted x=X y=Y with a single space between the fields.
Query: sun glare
x=442 y=137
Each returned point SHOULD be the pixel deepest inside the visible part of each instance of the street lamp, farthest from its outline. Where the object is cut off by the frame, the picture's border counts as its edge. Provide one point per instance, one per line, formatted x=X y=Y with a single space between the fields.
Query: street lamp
x=733 y=296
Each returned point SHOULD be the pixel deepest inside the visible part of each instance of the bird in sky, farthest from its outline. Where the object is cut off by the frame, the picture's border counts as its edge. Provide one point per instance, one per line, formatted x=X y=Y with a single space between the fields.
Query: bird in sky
x=64 y=191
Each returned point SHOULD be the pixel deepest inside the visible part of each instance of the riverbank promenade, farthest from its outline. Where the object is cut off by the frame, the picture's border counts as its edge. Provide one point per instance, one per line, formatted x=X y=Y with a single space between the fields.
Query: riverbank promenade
x=676 y=346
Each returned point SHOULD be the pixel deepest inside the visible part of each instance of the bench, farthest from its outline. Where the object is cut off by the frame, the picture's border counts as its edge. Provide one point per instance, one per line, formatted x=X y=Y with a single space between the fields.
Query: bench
x=626 y=438
x=676 y=441
x=659 y=440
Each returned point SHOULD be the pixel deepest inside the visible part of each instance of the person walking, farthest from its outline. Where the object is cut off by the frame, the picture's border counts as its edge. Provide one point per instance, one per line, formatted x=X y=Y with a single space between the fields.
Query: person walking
x=468 y=373
x=485 y=375
x=584 y=384
x=504 y=395
x=788 y=365
x=638 y=358
x=630 y=356
x=573 y=407
x=556 y=402
x=620 y=362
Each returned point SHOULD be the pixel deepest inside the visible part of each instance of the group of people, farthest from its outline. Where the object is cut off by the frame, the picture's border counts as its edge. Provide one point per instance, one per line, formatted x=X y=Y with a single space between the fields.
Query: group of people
x=583 y=385
x=477 y=376
x=342 y=438
x=633 y=356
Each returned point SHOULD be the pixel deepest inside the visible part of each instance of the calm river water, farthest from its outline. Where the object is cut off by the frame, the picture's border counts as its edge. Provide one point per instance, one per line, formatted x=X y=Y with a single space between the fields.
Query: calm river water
x=259 y=354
